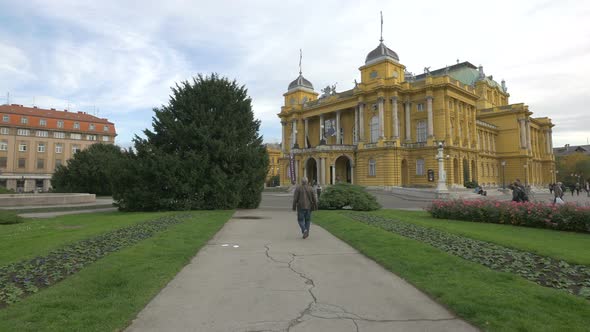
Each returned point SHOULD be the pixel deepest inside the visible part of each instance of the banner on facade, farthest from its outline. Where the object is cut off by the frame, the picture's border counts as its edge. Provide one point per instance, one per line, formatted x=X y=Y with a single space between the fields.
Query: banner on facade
x=330 y=127
x=292 y=167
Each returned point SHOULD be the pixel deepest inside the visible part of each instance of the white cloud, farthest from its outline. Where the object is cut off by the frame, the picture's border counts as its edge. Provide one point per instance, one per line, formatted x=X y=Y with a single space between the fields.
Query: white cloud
x=123 y=57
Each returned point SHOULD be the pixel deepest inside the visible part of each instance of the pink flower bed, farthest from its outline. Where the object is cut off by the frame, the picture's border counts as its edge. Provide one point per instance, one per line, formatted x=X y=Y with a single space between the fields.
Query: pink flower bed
x=567 y=217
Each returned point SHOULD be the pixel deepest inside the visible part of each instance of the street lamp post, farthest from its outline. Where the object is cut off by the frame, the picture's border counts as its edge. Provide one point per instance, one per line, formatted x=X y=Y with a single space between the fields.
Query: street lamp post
x=441 y=188
x=503 y=163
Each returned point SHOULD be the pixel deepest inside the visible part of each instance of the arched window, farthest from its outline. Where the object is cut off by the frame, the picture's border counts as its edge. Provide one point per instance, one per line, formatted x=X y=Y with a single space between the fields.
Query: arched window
x=421 y=131
x=374 y=129
x=372 y=167
x=420 y=167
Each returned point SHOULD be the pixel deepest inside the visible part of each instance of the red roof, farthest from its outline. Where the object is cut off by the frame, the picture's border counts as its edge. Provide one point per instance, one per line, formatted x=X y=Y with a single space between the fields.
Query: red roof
x=52 y=116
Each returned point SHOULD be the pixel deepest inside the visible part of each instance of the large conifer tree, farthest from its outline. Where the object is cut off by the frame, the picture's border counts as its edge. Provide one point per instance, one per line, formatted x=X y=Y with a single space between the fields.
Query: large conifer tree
x=204 y=152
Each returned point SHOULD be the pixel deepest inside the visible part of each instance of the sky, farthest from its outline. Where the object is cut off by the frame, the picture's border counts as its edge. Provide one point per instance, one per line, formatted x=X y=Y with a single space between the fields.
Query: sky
x=118 y=59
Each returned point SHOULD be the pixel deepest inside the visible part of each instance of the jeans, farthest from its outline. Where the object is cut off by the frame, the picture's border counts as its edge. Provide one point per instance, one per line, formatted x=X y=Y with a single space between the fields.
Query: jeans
x=304 y=219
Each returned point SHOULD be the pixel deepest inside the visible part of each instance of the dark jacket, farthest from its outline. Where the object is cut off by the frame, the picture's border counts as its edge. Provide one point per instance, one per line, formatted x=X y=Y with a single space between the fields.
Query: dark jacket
x=304 y=198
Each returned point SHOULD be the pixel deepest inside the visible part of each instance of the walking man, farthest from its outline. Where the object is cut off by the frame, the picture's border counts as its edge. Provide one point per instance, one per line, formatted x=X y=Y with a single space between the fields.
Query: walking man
x=558 y=193
x=304 y=201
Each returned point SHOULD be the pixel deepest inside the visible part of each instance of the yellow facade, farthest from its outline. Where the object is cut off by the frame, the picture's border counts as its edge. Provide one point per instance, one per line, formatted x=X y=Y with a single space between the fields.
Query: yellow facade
x=387 y=128
x=274 y=154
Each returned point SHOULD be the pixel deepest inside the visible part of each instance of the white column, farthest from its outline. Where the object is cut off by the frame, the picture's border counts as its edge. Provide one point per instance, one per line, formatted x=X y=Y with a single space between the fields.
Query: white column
x=362 y=121
x=394 y=117
x=296 y=171
x=351 y=174
x=323 y=170
x=321 y=128
x=293 y=133
x=380 y=103
x=283 y=143
x=522 y=134
x=408 y=122
x=306 y=129
x=318 y=165
x=333 y=168
x=355 y=127
x=430 y=118
x=337 y=127
x=528 y=135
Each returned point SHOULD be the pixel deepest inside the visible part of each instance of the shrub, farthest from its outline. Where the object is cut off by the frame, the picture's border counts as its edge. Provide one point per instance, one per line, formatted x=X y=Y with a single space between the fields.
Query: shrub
x=3 y=190
x=344 y=194
x=567 y=217
x=471 y=184
x=9 y=217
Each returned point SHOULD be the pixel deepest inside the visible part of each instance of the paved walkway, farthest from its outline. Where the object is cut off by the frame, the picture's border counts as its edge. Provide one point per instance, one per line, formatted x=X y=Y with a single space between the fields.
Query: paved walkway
x=257 y=274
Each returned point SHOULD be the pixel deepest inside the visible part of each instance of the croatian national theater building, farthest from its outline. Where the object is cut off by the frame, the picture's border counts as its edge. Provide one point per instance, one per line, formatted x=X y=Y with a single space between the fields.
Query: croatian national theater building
x=385 y=131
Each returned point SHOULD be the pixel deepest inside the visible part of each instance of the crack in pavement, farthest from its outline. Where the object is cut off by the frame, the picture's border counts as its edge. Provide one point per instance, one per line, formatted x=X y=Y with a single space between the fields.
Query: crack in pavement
x=330 y=311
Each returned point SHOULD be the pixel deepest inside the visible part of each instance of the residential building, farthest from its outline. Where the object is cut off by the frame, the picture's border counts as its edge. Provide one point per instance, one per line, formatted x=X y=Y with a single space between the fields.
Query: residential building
x=385 y=131
x=274 y=154
x=34 y=141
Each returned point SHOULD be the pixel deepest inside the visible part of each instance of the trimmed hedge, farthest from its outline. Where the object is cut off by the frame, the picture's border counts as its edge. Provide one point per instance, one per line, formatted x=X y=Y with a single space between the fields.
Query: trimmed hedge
x=343 y=194
x=566 y=217
x=9 y=217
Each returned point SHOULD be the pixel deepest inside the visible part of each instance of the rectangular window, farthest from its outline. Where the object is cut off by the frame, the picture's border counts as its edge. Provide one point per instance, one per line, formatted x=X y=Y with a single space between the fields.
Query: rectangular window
x=40 y=163
x=76 y=125
x=105 y=138
x=91 y=137
x=59 y=134
x=41 y=147
x=42 y=122
x=4 y=131
x=421 y=132
x=105 y=128
x=91 y=126
x=42 y=133
x=420 y=107
x=5 y=118
x=24 y=120
x=57 y=163
x=75 y=149
x=3 y=146
x=372 y=168
x=75 y=136
x=58 y=148
x=23 y=132
x=22 y=147
x=420 y=167
x=22 y=162
x=60 y=124
x=3 y=162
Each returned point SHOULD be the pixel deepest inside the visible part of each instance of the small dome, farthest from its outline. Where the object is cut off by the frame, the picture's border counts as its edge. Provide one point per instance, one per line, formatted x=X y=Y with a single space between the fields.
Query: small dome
x=300 y=82
x=381 y=51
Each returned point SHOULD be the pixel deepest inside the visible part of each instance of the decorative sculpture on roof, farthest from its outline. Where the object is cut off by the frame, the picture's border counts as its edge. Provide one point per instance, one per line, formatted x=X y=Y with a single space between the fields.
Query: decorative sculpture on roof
x=409 y=76
x=356 y=84
x=427 y=71
x=446 y=70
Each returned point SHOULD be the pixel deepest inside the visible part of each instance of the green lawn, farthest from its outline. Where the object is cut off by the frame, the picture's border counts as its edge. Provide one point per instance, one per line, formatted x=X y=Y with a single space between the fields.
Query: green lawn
x=569 y=246
x=108 y=294
x=39 y=236
x=491 y=300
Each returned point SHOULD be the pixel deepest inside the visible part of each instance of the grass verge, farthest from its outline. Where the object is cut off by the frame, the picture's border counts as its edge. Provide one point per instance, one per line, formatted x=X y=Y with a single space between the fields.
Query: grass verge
x=35 y=237
x=108 y=294
x=568 y=246
x=495 y=301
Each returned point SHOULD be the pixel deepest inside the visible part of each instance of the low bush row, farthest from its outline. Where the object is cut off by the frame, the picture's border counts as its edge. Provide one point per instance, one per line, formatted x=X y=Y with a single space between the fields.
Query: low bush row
x=545 y=271
x=9 y=217
x=566 y=217
x=343 y=195
x=26 y=277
